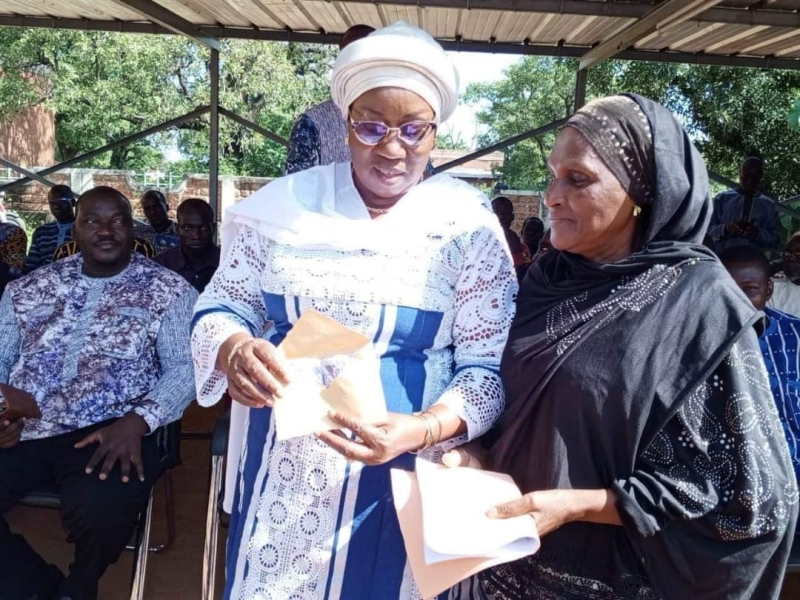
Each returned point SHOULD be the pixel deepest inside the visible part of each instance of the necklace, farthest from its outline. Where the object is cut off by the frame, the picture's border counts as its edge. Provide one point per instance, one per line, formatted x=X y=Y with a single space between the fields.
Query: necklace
x=377 y=211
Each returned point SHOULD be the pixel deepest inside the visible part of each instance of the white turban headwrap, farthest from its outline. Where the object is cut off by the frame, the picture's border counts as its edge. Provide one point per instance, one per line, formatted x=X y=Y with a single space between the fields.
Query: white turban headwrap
x=401 y=56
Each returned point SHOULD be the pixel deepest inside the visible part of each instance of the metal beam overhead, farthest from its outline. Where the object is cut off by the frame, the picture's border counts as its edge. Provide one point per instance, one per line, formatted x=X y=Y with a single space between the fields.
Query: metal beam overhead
x=198 y=112
x=669 y=12
x=722 y=60
x=31 y=174
x=624 y=10
x=499 y=145
x=169 y=20
x=250 y=125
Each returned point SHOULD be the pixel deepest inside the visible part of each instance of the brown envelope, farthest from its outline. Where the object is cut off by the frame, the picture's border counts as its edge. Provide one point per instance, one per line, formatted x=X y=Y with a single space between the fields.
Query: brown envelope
x=356 y=391
x=317 y=336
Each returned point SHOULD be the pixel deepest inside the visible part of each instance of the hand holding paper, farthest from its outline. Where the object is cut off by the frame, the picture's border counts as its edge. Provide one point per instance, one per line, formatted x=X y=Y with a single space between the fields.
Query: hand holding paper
x=331 y=368
x=448 y=537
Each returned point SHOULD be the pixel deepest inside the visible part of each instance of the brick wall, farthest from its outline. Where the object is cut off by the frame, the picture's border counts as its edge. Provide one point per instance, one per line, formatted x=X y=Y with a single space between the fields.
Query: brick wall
x=33 y=197
x=526 y=204
x=28 y=138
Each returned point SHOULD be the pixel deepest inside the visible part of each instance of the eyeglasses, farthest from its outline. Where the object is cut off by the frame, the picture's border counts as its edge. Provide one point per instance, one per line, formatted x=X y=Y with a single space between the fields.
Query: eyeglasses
x=372 y=133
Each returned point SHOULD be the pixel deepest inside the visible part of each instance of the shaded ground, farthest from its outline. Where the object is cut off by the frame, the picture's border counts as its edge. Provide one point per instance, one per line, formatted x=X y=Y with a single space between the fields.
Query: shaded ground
x=172 y=575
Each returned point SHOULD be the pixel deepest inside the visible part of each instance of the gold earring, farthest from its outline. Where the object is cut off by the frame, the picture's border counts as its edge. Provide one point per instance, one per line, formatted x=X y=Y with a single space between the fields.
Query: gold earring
x=637 y=210
x=346 y=139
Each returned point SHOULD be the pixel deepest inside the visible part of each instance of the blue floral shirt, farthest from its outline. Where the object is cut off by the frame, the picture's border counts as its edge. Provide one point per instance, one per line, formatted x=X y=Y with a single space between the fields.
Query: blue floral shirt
x=93 y=349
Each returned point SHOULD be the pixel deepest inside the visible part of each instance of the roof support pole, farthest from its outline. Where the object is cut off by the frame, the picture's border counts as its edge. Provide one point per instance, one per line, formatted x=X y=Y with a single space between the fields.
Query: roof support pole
x=213 y=155
x=254 y=127
x=30 y=174
x=580 y=88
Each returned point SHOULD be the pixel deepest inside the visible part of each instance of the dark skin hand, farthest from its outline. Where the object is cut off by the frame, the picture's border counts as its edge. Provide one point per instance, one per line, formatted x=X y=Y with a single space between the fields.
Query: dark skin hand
x=121 y=441
x=10 y=432
x=256 y=372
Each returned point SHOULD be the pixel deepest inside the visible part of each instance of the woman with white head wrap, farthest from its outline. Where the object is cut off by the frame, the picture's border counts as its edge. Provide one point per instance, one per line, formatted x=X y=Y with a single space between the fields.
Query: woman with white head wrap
x=420 y=268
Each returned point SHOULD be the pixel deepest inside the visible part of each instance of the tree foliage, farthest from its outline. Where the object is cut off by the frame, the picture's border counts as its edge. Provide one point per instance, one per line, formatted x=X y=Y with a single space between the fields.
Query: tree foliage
x=731 y=113
x=104 y=86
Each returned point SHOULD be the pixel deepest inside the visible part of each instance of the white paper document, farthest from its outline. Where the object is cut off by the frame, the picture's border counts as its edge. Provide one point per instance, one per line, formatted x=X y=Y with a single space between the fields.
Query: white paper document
x=330 y=368
x=448 y=538
x=454 y=506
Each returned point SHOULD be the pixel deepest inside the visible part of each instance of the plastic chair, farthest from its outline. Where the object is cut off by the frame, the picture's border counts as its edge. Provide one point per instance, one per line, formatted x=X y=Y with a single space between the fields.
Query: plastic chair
x=169 y=438
x=215 y=515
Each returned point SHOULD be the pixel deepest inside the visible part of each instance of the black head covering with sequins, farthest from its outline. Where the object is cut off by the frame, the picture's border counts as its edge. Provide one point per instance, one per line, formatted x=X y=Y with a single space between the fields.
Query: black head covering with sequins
x=619 y=132
x=601 y=357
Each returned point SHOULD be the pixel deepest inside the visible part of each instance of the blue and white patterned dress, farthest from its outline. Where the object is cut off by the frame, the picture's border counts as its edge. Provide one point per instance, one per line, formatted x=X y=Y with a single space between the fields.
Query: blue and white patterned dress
x=432 y=285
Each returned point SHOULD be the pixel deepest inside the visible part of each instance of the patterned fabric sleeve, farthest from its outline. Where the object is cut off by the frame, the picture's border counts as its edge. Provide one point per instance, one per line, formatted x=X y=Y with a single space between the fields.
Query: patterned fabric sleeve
x=717 y=478
x=232 y=303
x=304 y=146
x=484 y=309
x=174 y=390
x=14 y=250
x=9 y=334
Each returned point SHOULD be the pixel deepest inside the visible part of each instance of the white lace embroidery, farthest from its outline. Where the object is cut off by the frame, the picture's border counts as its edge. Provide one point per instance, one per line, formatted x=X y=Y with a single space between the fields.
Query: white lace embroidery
x=236 y=286
x=464 y=276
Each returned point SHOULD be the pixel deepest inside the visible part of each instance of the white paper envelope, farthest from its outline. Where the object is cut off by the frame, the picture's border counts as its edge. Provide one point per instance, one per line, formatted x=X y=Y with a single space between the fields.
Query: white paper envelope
x=330 y=368
x=454 y=506
x=437 y=577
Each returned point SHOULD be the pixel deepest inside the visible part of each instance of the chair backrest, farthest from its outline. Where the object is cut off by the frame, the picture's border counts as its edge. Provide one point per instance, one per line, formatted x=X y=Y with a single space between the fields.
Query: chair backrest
x=169 y=441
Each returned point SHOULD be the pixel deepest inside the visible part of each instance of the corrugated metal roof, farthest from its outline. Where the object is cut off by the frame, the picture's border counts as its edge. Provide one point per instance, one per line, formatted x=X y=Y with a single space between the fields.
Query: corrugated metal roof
x=741 y=28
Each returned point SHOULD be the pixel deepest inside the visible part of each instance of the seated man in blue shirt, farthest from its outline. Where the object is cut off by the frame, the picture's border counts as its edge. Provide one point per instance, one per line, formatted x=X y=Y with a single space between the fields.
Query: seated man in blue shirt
x=101 y=340
x=780 y=340
x=48 y=237
x=744 y=216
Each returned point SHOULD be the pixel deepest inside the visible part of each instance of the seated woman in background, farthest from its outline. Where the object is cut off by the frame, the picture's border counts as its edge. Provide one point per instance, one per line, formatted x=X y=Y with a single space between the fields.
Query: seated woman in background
x=640 y=421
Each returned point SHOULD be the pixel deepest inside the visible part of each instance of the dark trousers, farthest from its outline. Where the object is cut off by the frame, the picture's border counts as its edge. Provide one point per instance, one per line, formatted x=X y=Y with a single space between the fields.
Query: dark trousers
x=99 y=516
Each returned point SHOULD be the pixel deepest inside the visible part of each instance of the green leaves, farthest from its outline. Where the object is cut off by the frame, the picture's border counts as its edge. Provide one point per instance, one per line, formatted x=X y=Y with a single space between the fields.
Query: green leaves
x=730 y=113
x=104 y=86
x=794 y=115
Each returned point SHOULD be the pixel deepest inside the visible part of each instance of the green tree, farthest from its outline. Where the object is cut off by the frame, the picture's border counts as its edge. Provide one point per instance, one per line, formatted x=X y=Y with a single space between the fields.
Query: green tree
x=731 y=113
x=104 y=86
x=450 y=140
x=736 y=113
x=536 y=91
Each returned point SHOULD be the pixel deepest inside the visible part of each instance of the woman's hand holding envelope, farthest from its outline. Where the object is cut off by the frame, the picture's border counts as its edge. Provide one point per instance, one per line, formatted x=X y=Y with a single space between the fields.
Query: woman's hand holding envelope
x=375 y=444
x=549 y=508
x=256 y=370
x=401 y=433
